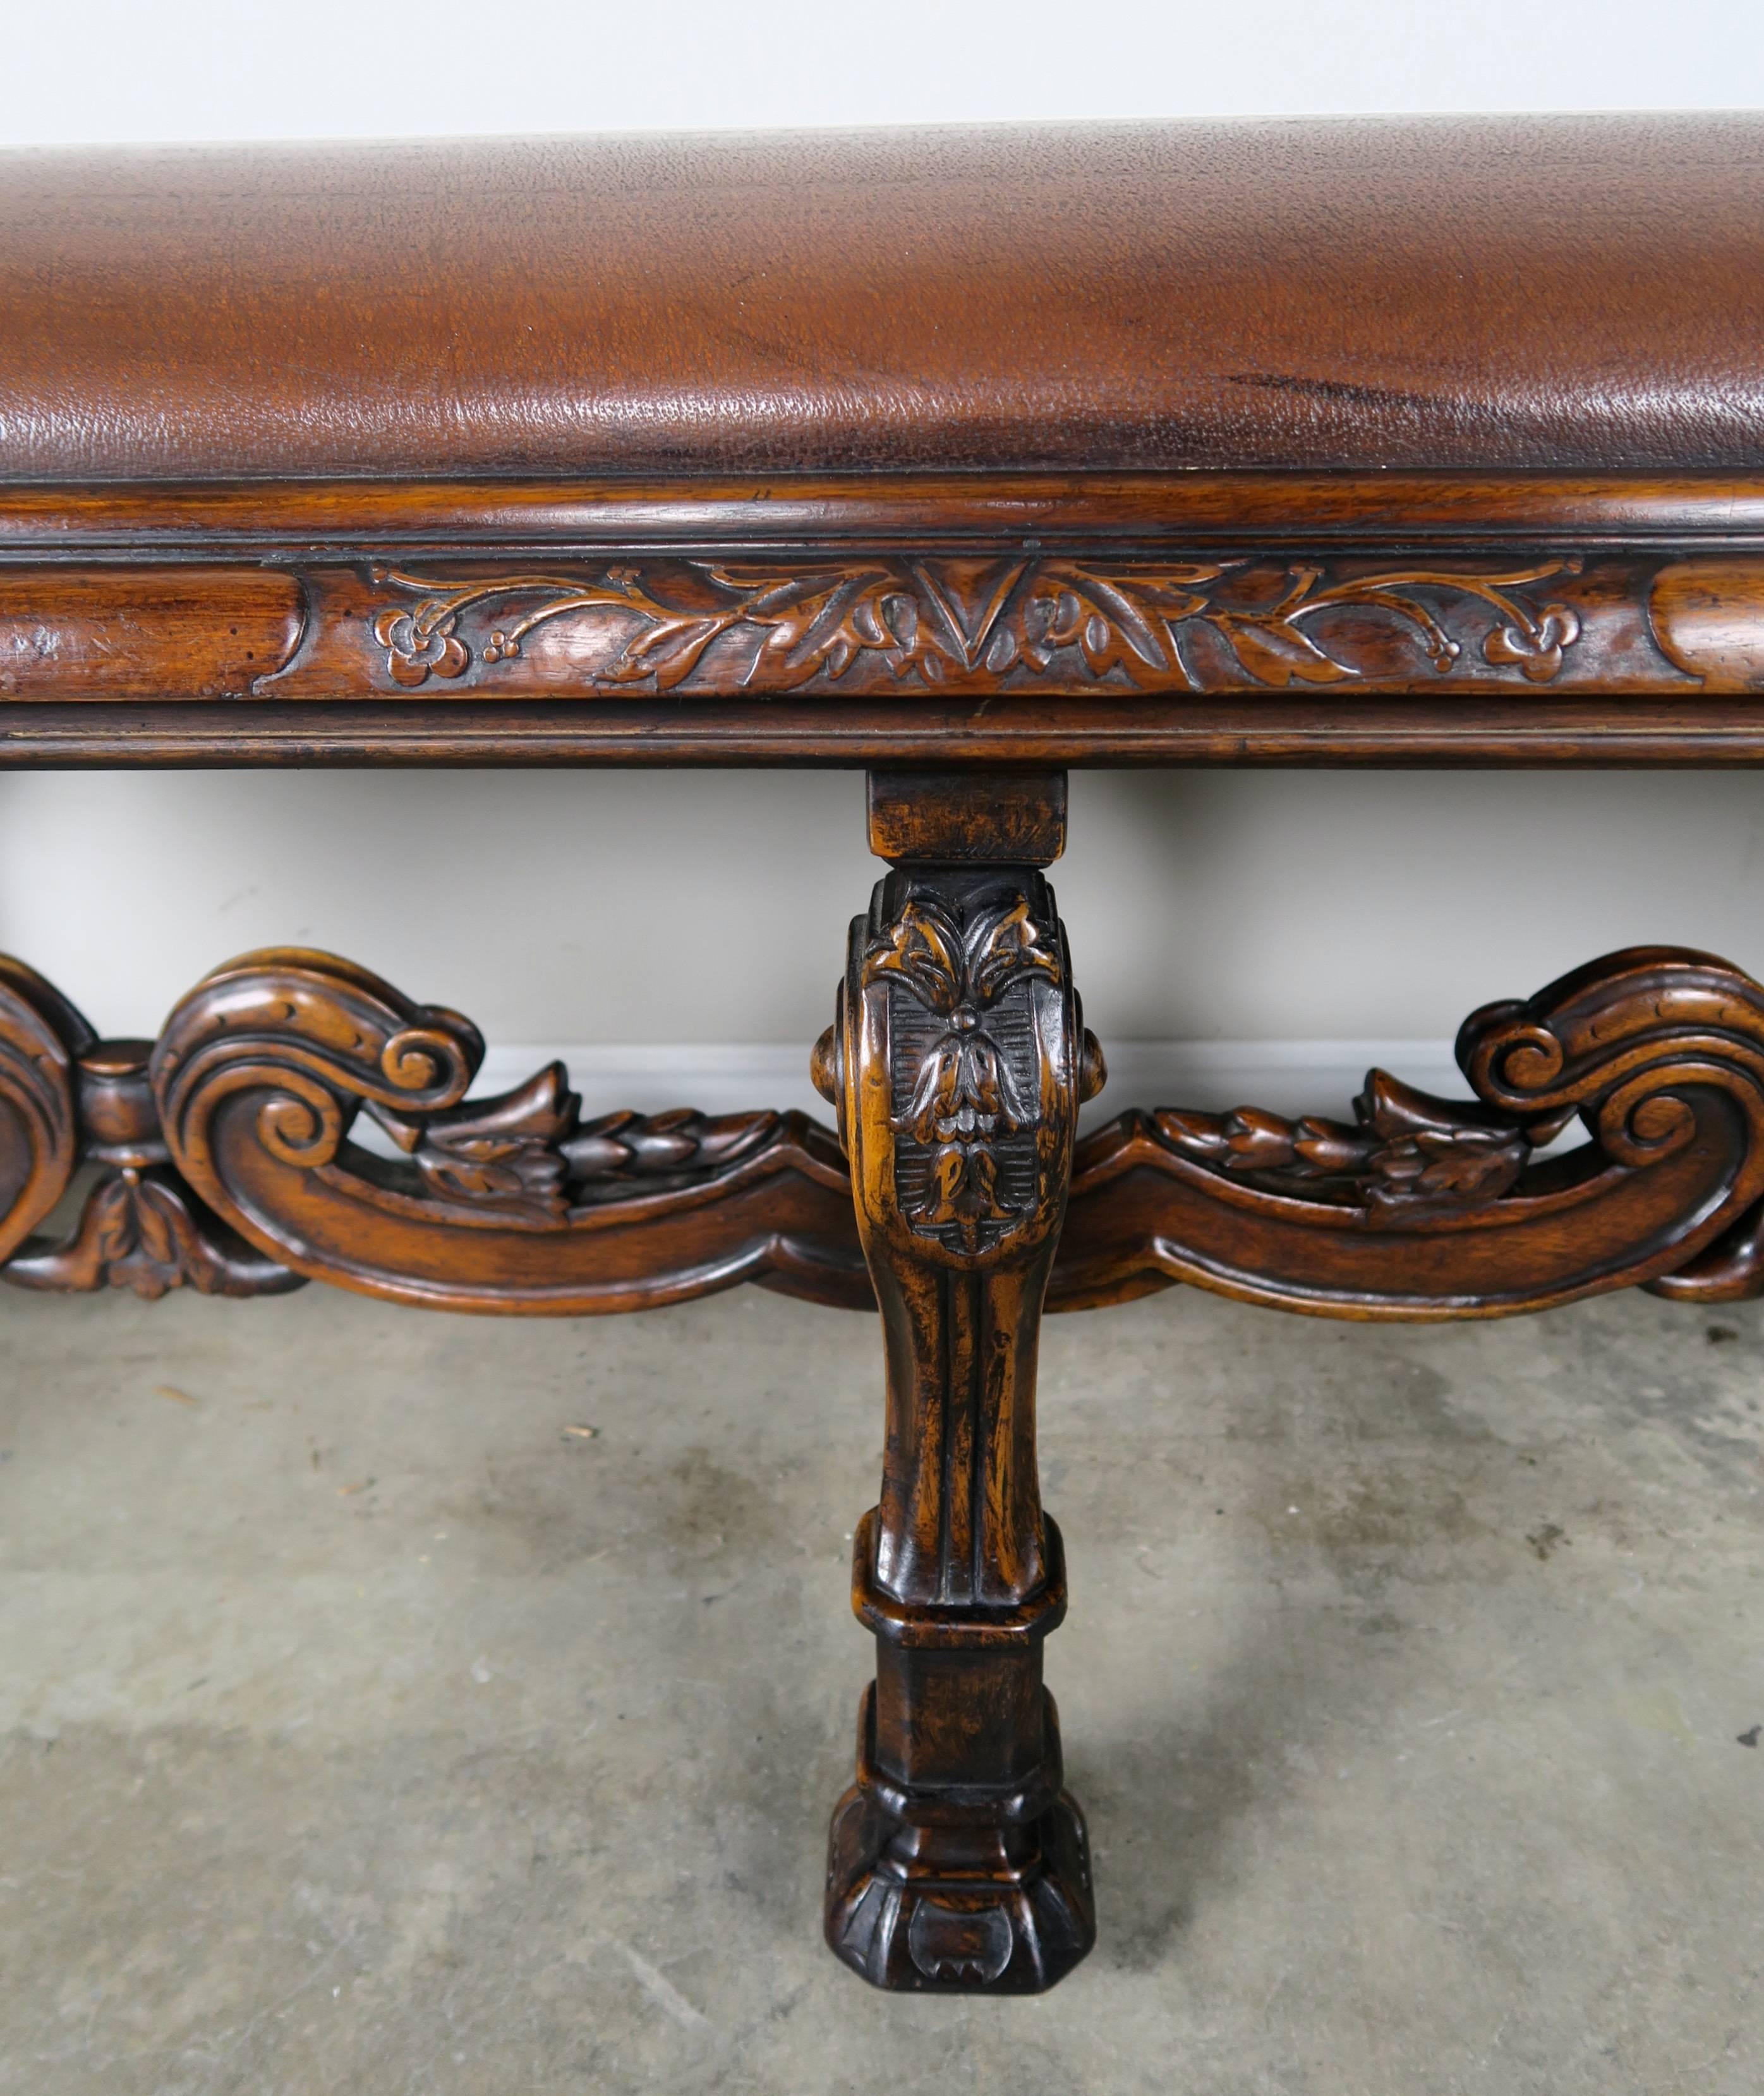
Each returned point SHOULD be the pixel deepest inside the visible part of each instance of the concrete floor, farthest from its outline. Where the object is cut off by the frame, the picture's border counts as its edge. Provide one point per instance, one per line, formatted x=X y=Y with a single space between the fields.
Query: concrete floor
x=365 y=1732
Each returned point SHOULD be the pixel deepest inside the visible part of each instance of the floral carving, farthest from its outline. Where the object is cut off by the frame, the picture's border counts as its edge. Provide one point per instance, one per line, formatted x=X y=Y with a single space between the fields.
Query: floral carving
x=143 y=1229
x=421 y=643
x=666 y=643
x=973 y=624
x=1408 y=1154
x=964 y=1094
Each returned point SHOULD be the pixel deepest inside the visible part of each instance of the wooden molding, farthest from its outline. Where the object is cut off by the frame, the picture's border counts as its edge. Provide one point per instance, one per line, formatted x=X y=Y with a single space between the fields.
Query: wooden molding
x=1103 y=730
x=896 y=627
x=1034 y=620
x=364 y=517
x=767 y=626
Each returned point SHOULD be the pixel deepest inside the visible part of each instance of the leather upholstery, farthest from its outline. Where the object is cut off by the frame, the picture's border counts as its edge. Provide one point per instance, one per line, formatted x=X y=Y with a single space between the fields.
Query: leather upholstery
x=1569 y=294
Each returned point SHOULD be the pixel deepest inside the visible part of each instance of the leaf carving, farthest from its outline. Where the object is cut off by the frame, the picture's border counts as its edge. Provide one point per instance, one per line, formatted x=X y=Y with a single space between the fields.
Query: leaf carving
x=1274 y=651
x=143 y=1229
x=1407 y=1153
x=964 y=1094
x=499 y=1153
x=970 y=625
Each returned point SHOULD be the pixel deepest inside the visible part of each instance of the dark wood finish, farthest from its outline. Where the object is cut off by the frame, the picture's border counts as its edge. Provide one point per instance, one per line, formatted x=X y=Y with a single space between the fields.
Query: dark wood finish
x=1732 y=1270
x=1010 y=818
x=908 y=627
x=512 y=1204
x=957 y=1064
x=767 y=626
x=140 y=1227
x=1101 y=732
x=796 y=451
x=1421 y=1207
x=1431 y=1208
x=364 y=517
x=1177 y=651
x=42 y=1039
x=143 y=632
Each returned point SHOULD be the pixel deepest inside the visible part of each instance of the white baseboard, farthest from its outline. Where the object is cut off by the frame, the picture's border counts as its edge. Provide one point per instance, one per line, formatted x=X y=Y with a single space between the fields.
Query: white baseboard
x=1285 y=1077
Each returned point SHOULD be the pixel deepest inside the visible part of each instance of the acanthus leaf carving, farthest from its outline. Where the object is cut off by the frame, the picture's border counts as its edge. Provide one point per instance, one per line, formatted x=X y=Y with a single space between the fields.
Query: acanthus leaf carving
x=1407 y=1153
x=498 y=1153
x=961 y=1094
x=624 y=1153
x=141 y=1229
x=527 y=1154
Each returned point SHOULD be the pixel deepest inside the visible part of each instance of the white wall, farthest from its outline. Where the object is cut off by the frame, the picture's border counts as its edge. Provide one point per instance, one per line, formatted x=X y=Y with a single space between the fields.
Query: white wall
x=606 y=908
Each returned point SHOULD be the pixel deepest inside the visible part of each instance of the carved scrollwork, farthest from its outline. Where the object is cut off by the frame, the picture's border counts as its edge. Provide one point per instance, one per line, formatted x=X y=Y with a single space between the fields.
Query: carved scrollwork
x=1419 y=1207
x=1431 y=1208
x=965 y=624
x=41 y=1038
x=140 y=1226
x=512 y=1203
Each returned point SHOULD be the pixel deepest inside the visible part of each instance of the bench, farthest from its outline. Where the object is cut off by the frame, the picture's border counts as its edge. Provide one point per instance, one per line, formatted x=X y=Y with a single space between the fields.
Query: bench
x=963 y=458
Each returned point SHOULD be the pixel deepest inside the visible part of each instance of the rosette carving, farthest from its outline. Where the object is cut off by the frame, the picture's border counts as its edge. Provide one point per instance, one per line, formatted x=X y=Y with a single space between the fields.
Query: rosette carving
x=511 y=1203
x=1429 y=1209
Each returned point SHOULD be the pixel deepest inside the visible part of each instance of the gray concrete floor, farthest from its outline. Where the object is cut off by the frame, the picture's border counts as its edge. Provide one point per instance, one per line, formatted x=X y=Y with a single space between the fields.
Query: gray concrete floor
x=363 y=1731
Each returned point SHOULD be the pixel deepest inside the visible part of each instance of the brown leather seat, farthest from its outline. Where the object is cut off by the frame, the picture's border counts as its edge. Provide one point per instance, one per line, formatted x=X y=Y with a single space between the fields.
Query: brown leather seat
x=1565 y=293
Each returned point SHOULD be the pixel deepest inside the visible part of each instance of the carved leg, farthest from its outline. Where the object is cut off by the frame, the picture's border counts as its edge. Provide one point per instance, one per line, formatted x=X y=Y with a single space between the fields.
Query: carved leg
x=958 y=1063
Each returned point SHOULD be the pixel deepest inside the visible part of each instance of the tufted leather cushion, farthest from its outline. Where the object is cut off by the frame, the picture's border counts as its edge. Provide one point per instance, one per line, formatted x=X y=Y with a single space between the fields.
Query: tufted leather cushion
x=1567 y=293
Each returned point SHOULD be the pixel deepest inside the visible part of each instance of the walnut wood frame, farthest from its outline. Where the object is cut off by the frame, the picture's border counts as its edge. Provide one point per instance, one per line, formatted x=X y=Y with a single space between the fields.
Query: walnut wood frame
x=1009 y=618
x=965 y=639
